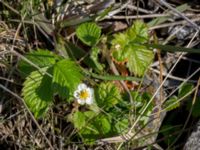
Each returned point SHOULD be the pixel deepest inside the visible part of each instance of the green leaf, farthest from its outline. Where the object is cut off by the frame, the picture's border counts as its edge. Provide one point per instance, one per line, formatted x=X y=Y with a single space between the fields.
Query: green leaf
x=171 y=103
x=138 y=100
x=128 y=46
x=185 y=89
x=88 y=33
x=96 y=128
x=121 y=125
x=78 y=53
x=66 y=77
x=37 y=92
x=94 y=56
x=139 y=59
x=79 y=119
x=138 y=32
x=108 y=95
x=119 y=44
x=41 y=58
x=102 y=124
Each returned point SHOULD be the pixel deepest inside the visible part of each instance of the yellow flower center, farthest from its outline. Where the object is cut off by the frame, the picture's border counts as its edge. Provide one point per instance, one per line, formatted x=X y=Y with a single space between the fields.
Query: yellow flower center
x=84 y=94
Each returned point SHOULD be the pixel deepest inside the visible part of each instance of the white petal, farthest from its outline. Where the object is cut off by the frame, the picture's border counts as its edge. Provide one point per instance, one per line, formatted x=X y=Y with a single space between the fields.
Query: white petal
x=91 y=91
x=82 y=86
x=82 y=102
x=89 y=101
x=76 y=94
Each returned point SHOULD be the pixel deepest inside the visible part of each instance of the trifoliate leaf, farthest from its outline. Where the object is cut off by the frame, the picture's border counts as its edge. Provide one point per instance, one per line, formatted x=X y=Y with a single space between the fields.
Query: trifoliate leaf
x=37 y=92
x=128 y=46
x=66 y=77
x=185 y=89
x=171 y=103
x=89 y=33
x=107 y=95
x=41 y=58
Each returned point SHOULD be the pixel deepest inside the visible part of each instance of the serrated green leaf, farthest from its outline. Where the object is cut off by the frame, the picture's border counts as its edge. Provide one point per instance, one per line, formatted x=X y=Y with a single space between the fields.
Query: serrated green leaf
x=119 y=44
x=88 y=33
x=66 y=77
x=185 y=89
x=128 y=46
x=41 y=58
x=139 y=59
x=79 y=120
x=37 y=92
x=108 y=95
x=138 y=32
x=171 y=103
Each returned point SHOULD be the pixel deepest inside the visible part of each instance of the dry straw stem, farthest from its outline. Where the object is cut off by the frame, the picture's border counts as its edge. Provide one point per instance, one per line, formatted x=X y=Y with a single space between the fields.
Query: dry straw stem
x=33 y=118
x=118 y=17
x=179 y=13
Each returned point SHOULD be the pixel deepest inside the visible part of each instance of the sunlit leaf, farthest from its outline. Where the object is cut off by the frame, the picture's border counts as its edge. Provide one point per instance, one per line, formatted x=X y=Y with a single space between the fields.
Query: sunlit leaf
x=89 y=33
x=171 y=103
x=185 y=89
x=41 y=58
x=128 y=47
x=37 y=92
x=139 y=59
x=138 y=32
x=66 y=77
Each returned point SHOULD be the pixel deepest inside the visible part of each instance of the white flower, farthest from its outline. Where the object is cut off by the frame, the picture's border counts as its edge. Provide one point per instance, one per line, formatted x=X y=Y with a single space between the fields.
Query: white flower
x=84 y=94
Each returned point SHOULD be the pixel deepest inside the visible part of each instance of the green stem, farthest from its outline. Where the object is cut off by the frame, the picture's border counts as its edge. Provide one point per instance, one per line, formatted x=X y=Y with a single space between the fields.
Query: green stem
x=112 y=77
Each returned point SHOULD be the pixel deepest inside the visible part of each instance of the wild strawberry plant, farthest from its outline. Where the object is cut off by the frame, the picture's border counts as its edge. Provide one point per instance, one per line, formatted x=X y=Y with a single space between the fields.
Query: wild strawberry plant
x=101 y=107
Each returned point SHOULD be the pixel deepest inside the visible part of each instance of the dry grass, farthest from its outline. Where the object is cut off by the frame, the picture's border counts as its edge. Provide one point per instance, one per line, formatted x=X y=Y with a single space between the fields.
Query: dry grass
x=20 y=130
